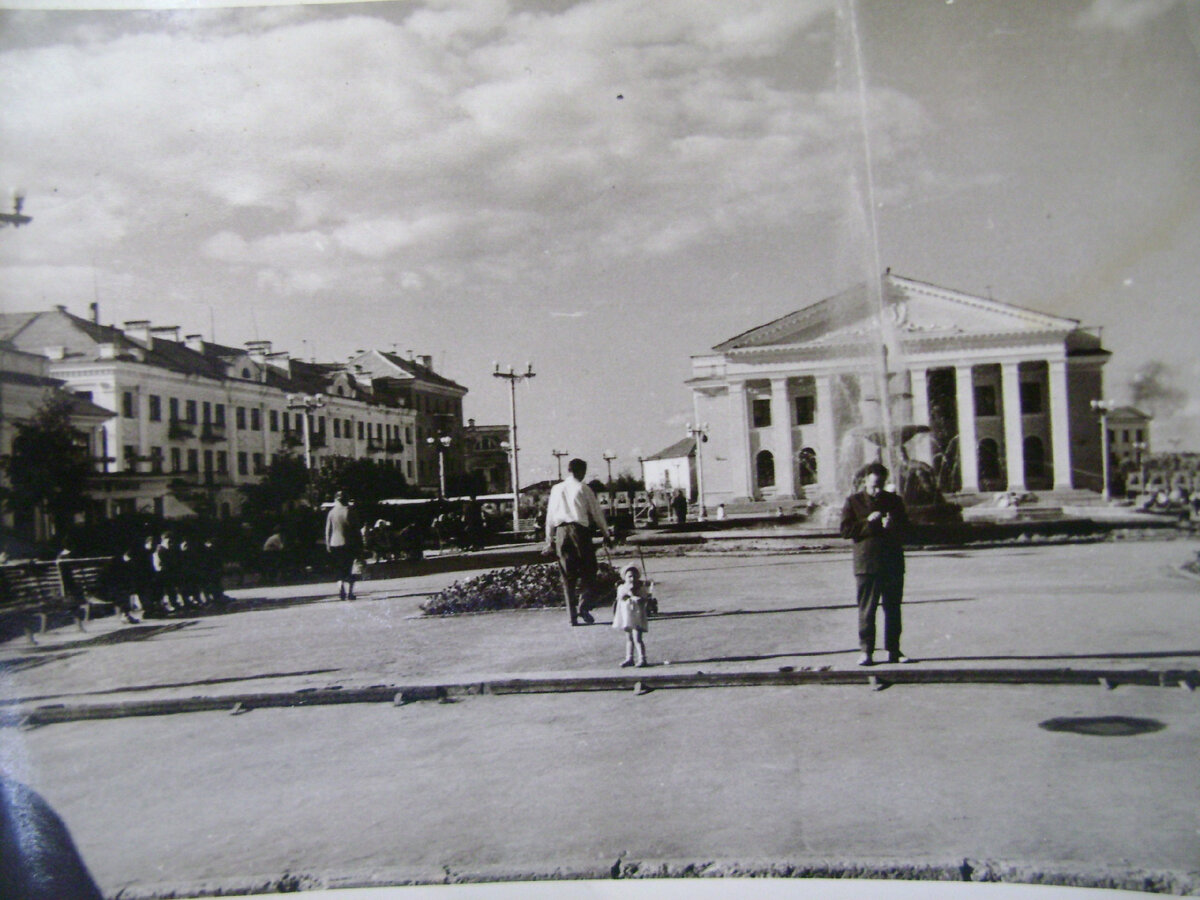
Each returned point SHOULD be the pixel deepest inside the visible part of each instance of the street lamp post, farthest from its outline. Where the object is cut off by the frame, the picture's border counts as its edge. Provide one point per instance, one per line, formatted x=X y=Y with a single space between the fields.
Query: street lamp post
x=441 y=444
x=1104 y=407
x=558 y=455
x=609 y=456
x=700 y=434
x=512 y=377
x=307 y=403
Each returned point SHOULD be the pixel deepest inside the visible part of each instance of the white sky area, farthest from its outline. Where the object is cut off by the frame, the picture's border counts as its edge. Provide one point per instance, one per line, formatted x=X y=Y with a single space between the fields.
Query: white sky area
x=603 y=187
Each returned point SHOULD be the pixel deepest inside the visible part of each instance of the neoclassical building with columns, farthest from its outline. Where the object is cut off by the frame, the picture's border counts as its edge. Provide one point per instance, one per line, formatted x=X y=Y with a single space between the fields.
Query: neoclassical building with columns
x=990 y=396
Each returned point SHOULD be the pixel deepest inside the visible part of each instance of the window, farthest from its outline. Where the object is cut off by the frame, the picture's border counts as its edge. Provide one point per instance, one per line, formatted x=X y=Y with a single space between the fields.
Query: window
x=360 y=431
x=222 y=462
x=408 y=463
x=155 y=409
x=273 y=420
x=130 y=458
x=1139 y=435
x=173 y=408
x=242 y=464
x=1125 y=435
x=128 y=405
x=220 y=415
x=337 y=428
x=206 y=412
x=408 y=434
x=240 y=416
x=208 y=462
x=255 y=419
x=1112 y=436
x=320 y=424
x=190 y=412
x=176 y=459
x=808 y=466
x=806 y=408
x=765 y=468
x=156 y=460
x=762 y=413
x=258 y=463
x=193 y=458
x=985 y=400
x=346 y=427
x=1035 y=459
x=283 y=418
x=1031 y=398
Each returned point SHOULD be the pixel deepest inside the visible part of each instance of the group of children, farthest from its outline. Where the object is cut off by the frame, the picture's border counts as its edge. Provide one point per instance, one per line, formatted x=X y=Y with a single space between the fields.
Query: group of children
x=163 y=575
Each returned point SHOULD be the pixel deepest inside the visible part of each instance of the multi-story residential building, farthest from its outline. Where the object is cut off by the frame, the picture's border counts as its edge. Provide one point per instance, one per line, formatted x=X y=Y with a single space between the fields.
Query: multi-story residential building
x=486 y=458
x=25 y=387
x=436 y=403
x=1128 y=435
x=209 y=418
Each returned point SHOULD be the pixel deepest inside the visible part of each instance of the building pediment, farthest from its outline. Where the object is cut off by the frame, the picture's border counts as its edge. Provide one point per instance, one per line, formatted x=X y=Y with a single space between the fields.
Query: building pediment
x=912 y=311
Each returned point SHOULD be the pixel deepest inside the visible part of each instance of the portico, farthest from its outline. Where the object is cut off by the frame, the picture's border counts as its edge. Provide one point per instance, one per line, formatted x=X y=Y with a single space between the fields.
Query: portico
x=989 y=396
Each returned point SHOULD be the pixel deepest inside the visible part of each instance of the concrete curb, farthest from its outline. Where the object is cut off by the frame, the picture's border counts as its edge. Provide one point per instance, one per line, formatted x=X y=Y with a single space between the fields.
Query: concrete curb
x=878 y=678
x=966 y=871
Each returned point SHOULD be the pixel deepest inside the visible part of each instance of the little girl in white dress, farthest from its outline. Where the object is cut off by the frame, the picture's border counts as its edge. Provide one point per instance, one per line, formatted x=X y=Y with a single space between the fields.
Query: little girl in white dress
x=630 y=613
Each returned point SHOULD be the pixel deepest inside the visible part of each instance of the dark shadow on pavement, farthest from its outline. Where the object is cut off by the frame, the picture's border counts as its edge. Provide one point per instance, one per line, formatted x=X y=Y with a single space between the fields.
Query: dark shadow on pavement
x=120 y=636
x=135 y=688
x=712 y=613
x=720 y=659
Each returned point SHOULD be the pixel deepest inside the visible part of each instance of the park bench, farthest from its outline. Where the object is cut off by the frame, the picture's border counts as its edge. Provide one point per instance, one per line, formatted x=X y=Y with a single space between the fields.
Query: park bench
x=40 y=589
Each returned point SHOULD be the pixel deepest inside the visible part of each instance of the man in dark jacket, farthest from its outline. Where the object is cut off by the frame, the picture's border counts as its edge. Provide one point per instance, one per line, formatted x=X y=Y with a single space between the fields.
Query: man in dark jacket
x=876 y=520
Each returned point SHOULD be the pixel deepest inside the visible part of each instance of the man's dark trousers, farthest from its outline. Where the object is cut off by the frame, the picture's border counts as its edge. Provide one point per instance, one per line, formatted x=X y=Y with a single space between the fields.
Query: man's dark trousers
x=577 y=565
x=874 y=591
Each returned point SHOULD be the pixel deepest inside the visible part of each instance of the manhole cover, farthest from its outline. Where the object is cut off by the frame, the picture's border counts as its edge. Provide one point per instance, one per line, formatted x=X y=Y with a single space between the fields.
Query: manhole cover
x=1103 y=726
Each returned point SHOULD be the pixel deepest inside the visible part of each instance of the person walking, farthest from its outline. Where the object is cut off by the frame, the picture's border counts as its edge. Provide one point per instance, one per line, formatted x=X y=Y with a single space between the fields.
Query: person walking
x=571 y=513
x=272 y=555
x=341 y=540
x=631 y=614
x=679 y=507
x=876 y=521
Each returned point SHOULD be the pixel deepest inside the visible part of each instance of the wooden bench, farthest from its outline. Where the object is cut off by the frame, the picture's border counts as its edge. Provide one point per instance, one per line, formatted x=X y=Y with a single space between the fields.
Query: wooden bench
x=45 y=588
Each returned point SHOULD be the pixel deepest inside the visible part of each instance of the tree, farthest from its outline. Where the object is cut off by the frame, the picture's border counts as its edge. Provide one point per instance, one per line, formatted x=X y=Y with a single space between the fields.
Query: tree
x=49 y=466
x=366 y=480
x=285 y=482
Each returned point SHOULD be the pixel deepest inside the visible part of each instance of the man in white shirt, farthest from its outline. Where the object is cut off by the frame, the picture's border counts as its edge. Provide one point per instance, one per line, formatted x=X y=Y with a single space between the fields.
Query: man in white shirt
x=571 y=513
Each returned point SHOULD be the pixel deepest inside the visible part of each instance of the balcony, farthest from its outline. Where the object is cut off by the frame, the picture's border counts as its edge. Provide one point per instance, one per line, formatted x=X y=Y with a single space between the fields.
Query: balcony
x=179 y=430
x=292 y=439
x=315 y=440
x=394 y=446
x=211 y=433
x=374 y=446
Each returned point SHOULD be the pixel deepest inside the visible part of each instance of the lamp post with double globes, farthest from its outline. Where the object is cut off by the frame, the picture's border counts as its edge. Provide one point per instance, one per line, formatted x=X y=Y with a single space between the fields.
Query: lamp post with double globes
x=558 y=455
x=441 y=444
x=305 y=404
x=609 y=456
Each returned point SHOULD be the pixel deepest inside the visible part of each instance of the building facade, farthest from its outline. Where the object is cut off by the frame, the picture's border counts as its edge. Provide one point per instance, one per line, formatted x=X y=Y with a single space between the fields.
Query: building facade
x=210 y=417
x=673 y=469
x=987 y=395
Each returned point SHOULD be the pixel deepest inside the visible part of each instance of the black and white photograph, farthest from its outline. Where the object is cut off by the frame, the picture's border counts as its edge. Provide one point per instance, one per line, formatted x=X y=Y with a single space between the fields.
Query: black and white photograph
x=599 y=448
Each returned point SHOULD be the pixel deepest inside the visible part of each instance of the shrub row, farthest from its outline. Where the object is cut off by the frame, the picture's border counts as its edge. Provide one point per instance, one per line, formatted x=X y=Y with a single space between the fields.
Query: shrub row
x=524 y=587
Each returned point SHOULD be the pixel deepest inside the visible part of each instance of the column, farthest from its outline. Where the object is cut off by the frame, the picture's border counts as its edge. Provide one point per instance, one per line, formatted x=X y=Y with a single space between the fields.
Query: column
x=827 y=462
x=1060 y=425
x=920 y=395
x=1014 y=434
x=968 y=460
x=781 y=425
x=741 y=472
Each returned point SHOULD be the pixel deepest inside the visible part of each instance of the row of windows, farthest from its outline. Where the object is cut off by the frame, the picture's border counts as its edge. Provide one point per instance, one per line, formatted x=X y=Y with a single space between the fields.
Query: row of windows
x=193 y=412
x=1137 y=435
x=986 y=404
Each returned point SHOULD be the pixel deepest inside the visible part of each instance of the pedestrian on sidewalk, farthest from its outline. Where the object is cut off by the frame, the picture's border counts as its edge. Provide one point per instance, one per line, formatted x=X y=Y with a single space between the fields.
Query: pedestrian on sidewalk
x=631 y=614
x=272 y=555
x=166 y=573
x=341 y=540
x=876 y=521
x=571 y=513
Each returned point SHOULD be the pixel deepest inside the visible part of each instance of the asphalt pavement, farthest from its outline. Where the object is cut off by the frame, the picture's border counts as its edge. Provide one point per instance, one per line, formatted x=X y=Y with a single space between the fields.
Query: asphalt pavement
x=1047 y=731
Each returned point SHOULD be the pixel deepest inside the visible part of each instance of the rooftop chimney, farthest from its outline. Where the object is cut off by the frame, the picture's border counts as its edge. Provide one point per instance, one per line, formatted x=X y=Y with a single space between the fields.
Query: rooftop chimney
x=167 y=332
x=258 y=350
x=194 y=342
x=139 y=330
x=426 y=360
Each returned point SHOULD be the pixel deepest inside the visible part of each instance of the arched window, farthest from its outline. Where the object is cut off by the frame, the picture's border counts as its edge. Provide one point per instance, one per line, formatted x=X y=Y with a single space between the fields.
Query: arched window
x=1035 y=459
x=808 y=466
x=765 y=468
x=989 y=460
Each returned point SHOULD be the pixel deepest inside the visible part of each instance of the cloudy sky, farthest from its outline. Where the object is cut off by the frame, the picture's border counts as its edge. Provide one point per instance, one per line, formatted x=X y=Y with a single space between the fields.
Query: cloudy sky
x=604 y=187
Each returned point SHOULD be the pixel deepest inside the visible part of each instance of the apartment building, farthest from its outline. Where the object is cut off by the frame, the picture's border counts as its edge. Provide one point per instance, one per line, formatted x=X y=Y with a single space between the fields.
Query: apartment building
x=197 y=418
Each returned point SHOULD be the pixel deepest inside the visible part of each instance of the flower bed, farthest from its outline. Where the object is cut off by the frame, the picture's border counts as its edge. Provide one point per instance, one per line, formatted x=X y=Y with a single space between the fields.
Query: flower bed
x=524 y=587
